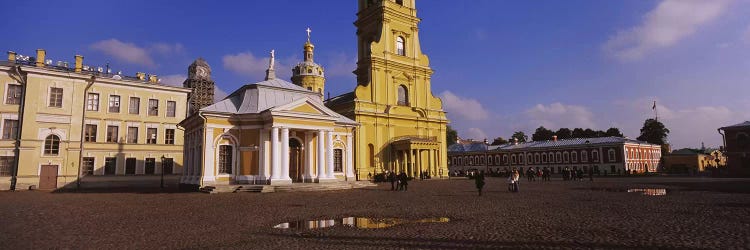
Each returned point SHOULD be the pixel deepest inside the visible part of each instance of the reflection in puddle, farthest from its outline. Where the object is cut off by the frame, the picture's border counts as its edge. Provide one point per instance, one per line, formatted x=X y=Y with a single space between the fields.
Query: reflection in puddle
x=649 y=191
x=356 y=222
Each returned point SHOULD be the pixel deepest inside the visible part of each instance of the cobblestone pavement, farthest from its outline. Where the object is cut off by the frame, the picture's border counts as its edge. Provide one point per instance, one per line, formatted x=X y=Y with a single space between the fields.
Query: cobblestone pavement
x=694 y=214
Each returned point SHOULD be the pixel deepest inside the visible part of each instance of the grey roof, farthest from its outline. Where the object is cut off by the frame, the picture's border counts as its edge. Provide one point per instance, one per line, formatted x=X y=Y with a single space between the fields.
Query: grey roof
x=687 y=151
x=258 y=97
x=468 y=147
x=739 y=125
x=552 y=144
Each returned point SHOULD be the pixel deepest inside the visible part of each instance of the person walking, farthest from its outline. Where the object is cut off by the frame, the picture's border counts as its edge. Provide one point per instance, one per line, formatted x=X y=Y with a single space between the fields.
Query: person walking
x=479 y=181
x=392 y=179
x=516 y=177
x=404 y=181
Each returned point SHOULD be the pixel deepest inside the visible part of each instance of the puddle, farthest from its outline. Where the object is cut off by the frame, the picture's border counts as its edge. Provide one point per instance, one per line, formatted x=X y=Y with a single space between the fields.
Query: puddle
x=649 y=191
x=357 y=222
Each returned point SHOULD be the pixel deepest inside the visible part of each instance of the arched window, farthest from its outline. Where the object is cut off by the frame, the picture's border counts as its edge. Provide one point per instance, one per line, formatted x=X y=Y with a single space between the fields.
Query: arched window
x=520 y=159
x=513 y=159
x=505 y=159
x=52 y=145
x=400 y=46
x=584 y=156
x=595 y=156
x=338 y=160
x=574 y=156
x=403 y=96
x=225 y=159
x=566 y=157
x=558 y=156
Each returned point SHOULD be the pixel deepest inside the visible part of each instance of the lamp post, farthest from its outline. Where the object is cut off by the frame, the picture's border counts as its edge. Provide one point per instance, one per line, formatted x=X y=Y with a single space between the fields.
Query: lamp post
x=162 y=171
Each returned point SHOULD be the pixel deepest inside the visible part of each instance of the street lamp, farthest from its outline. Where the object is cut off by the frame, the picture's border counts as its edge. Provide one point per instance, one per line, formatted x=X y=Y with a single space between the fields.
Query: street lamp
x=162 y=171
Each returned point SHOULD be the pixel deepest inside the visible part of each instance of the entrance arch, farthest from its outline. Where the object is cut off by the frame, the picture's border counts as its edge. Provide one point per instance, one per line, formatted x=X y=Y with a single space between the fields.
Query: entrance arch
x=296 y=167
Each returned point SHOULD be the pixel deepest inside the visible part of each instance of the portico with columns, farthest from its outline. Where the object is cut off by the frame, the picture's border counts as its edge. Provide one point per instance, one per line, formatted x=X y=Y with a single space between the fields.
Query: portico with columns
x=271 y=132
x=415 y=156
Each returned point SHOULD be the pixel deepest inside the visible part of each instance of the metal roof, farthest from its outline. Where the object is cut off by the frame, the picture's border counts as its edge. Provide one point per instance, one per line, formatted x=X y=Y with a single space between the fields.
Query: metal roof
x=739 y=125
x=550 y=144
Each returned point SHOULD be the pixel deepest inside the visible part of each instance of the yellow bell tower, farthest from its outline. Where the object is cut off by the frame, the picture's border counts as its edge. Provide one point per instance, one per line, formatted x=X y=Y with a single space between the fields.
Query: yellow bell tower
x=307 y=73
x=402 y=125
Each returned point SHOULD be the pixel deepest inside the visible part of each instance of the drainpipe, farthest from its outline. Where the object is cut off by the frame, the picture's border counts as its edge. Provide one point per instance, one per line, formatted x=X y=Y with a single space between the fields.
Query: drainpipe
x=723 y=139
x=83 y=126
x=205 y=124
x=22 y=77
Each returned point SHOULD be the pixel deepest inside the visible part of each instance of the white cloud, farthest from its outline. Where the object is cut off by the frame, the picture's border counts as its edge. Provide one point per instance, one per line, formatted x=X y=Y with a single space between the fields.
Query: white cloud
x=173 y=80
x=127 y=52
x=557 y=115
x=167 y=49
x=340 y=64
x=247 y=64
x=664 y=26
x=476 y=134
x=466 y=108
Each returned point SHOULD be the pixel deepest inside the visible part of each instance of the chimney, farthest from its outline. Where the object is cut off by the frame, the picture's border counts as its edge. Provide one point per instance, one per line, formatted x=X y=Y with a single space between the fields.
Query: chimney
x=515 y=141
x=40 y=54
x=141 y=76
x=79 y=63
x=153 y=79
x=554 y=138
x=11 y=56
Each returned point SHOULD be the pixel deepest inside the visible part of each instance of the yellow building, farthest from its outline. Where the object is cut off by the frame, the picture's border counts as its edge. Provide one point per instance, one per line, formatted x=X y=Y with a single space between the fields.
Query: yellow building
x=403 y=125
x=270 y=133
x=126 y=125
x=692 y=161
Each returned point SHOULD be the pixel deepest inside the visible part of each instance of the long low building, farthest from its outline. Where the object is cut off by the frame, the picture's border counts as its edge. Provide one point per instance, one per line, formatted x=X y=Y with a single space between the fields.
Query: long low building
x=605 y=155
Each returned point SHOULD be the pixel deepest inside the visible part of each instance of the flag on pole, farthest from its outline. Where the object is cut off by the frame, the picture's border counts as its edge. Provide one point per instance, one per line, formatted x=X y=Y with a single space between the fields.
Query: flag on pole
x=654 y=107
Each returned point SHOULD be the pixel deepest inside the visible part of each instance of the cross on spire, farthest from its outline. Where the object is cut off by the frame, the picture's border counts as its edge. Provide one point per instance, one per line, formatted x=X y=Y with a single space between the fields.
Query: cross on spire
x=308 y=34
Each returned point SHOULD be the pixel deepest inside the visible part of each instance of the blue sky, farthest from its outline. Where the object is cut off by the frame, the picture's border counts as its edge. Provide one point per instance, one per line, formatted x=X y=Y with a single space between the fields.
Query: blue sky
x=500 y=66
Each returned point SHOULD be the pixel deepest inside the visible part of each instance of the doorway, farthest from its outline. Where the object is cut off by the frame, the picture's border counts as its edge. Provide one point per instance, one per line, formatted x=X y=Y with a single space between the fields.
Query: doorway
x=295 y=160
x=48 y=177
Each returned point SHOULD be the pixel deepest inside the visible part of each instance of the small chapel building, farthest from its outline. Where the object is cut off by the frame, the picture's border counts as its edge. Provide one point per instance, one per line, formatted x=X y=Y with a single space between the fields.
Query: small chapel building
x=271 y=132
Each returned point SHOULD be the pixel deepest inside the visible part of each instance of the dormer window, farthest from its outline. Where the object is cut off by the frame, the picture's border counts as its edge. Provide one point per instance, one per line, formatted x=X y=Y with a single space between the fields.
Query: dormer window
x=400 y=46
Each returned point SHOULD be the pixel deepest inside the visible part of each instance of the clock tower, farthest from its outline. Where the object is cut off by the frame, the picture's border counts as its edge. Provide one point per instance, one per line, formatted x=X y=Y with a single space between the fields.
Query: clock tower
x=199 y=80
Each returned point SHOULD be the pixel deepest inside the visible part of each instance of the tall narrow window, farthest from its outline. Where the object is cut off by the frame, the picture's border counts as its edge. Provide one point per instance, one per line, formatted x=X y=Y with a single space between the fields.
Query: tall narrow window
x=611 y=154
x=225 y=159
x=92 y=102
x=88 y=166
x=584 y=156
x=114 y=104
x=135 y=106
x=6 y=165
x=171 y=108
x=10 y=129
x=169 y=136
x=337 y=160
x=150 y=166
x=151 y=135
x=14 y=94
x=167 y=165
x=153 y=107
x=52 y=145
x=90 y=133
x=132 y=134
x=400 y=46
x=112 y=133
x=110 y=166
x=403 y=96
x=56 y=97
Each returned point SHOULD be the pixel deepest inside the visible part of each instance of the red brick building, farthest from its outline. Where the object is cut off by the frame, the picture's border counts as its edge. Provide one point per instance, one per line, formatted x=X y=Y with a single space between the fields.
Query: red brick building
x=737 y=148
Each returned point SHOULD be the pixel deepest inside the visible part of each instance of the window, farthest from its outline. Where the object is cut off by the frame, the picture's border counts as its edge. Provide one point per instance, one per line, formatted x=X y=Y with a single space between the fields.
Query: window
x=544 y=158
x=52 y=145
x=574 y=156
x=536 y=158
x=92 y=102
x=520 y=159
x=403 y=96
x=130 y=165
x=337 y=160
x=153 y=107
x=114 y=104
x=10 y=129
x=6 y=165
x=151 y=135
x=132 y=134
x=55 y=97
x=584 y=156
x=90 y=133
x=558 y=157
x=110 y=166
x=135 y=106
x=14 y=94
x=88 y=165
x=400 y=46
x=171 y=108
x=529 y=159
x=150 y=166
x=595 y=156
x=169 y=136
x=566 y=157
x=225 y=159
x=112 y=133
x=505 y=159
x=513 y=159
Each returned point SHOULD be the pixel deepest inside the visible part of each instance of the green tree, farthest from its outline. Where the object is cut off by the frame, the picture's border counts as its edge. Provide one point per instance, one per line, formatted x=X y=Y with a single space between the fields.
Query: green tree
x=654 y=132
x=564 y=133
x=614 y=132
x=499 y=141
x=589 y=133
x=542 y=134
x=451 y=135
x=578 y=133
x=521 y=136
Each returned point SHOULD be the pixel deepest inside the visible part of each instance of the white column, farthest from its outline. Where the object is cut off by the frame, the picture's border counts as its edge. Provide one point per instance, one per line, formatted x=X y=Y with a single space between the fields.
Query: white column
x=262 y=159
x=349 y=158
x=308 y=155
x=209 y=156
x=285 y=154
x=329 y=148
x=321 y=154
x=276 y=154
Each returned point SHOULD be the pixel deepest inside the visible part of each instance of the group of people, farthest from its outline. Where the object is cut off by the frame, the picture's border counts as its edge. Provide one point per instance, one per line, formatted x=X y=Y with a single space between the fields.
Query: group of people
x=576 y=174
x=399 y=182
x=543 y=173
x=512 y=181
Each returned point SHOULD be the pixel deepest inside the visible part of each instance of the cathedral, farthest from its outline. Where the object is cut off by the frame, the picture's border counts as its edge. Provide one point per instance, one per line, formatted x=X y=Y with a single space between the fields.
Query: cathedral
x=275 y=132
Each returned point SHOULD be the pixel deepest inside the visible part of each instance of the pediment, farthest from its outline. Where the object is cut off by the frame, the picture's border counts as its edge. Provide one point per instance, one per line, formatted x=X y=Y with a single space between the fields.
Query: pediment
x=306 y=106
